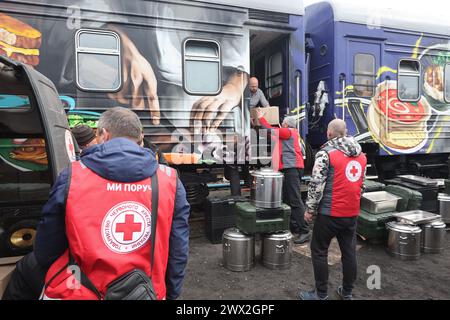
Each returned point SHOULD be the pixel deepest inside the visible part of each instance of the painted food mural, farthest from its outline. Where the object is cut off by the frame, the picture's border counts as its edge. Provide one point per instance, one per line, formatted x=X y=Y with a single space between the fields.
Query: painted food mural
x=151 y=69
x=401 y=126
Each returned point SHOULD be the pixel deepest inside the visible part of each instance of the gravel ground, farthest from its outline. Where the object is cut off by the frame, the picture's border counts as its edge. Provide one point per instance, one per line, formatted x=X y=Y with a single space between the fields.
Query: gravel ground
x=206 y=278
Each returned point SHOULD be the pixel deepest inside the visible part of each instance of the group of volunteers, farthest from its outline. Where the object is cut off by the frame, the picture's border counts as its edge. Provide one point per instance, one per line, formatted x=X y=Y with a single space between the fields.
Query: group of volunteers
x=116 y=224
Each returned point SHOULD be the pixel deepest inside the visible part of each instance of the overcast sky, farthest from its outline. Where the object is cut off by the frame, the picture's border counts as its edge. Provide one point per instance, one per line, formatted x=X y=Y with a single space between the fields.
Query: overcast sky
x=439 y=7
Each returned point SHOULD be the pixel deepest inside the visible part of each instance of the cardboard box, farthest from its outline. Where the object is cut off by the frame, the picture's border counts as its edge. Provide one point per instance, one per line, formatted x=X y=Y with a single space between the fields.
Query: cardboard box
x=271 y=114
x=7 y=266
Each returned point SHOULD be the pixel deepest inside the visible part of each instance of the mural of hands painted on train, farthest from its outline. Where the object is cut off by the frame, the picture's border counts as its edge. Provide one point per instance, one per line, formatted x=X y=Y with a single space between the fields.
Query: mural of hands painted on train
x=209 y=112
x=139 y=89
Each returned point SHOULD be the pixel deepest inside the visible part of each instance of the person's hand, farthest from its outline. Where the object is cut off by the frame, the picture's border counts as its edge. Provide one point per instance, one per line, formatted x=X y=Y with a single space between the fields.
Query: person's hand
x=260 y=113
x=209 y=112
x=139 y=81
x=309 y=216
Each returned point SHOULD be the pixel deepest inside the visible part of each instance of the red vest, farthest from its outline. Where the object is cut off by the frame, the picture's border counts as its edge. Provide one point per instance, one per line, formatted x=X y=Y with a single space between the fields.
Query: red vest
x=108 y=226
x=342 y=194
x=287 y=153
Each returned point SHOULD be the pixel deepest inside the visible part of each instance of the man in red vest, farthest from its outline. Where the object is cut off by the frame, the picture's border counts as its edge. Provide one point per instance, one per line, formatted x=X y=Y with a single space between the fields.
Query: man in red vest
x=115 y=211
x=334 y=196
x=287 y=157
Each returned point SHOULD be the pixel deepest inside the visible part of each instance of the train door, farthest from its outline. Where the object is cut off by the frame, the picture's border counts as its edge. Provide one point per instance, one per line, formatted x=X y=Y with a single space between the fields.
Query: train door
x=364 y=60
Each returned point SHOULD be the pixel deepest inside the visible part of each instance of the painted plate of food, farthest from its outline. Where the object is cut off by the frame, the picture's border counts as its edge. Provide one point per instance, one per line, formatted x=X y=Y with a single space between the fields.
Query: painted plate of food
x=434 y=60
x=400 y=126
x=24 y=154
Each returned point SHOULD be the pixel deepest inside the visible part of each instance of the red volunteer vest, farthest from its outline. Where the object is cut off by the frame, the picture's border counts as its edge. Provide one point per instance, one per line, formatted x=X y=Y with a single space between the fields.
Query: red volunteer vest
x=342 y=194
x=287 y=153
x=108 y=226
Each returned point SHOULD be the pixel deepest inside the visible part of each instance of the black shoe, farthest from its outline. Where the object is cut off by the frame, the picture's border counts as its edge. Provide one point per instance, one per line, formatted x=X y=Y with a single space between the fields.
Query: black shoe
x=342 y=295
x=311 y=295
x=302 y=238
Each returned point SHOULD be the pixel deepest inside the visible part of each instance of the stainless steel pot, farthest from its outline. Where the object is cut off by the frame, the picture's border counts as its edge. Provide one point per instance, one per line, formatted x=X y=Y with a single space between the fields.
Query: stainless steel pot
x=404 y=240
x=433 y=237
x=267 y=188
x=238 y=250
x=277 y=250
x=444 y=206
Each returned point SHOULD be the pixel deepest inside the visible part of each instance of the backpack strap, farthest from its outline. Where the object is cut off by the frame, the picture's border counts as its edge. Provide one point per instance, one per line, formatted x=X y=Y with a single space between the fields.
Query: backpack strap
x=155 y=199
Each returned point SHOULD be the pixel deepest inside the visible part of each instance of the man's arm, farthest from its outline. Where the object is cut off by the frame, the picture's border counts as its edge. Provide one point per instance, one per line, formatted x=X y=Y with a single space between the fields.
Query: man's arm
x=51 y=240
x=318 y=181
x=262 y=99
x=179 y=245
x=284 y=133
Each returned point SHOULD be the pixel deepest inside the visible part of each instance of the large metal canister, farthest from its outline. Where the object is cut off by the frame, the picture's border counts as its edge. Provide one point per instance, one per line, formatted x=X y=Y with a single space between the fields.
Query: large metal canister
x=238 y=250
x=433 y=237
x=277 y=250
x=404 y=240
x=267 y=188
x=444 y=207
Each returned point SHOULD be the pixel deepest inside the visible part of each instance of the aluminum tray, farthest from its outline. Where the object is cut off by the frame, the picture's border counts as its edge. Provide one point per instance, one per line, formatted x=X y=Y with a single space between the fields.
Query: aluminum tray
x=379 y=202
x=416 y=217
x=419 y=180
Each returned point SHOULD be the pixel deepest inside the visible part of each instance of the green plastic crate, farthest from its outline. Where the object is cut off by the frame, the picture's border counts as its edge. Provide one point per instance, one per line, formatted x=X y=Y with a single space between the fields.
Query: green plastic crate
x=373 y=226
x=252 y=220
x=447 y=186
x=371 y=186
x=410 y=199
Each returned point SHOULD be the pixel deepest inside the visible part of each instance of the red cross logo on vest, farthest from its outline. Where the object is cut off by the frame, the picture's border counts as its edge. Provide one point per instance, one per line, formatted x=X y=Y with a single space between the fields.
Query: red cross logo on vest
x=353 y=171
x=129 y=227
x=70 y=148
x=126 y=227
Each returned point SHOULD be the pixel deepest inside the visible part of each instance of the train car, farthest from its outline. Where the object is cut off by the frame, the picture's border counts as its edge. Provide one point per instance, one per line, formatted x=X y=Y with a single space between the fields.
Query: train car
x=386 y=72
x=182 y=66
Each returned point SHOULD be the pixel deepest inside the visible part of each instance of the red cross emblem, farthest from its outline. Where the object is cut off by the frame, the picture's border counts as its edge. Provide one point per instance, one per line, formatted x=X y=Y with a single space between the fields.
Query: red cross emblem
x=354 y=171
x=129 y=227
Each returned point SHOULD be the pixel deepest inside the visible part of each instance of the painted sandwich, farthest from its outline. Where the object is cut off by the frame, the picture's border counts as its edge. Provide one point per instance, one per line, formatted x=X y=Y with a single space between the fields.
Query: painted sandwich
x=19 y=40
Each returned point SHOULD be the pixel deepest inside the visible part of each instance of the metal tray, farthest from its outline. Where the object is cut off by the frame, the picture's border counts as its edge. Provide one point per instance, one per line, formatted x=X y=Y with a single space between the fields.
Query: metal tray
x=419 y=180
x=416 y=217
x=379 y=202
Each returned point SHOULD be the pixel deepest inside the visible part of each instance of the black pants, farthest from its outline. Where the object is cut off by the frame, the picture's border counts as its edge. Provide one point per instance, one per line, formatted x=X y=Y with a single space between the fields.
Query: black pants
x=325 y=229
x=293 y=198
x=27 y=280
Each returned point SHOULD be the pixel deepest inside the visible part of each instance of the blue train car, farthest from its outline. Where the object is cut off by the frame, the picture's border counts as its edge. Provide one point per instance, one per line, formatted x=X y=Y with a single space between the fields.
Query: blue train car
x=387 y=73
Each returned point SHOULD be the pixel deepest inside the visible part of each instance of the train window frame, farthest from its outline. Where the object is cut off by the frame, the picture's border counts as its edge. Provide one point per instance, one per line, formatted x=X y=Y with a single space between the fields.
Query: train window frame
x=271 y=76
x=97 y=51
x=187 y=56
x=357 y=73
x=404 y=73
x=446 y=83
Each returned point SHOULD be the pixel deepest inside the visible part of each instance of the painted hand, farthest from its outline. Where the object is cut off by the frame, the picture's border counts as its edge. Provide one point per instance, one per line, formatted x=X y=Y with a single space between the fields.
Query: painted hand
x=139 y=84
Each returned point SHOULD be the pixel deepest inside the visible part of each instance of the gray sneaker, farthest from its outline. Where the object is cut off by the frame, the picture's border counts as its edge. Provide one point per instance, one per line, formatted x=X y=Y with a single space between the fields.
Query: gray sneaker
x=302 y=238
x=342 y=295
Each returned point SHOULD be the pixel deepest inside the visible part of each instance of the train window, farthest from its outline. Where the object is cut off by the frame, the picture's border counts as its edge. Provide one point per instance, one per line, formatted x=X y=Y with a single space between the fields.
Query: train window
x=447 y=82
x=364 y=75
x=202 y=67
x=408 y=81
x=275 y=75
x=98 y=63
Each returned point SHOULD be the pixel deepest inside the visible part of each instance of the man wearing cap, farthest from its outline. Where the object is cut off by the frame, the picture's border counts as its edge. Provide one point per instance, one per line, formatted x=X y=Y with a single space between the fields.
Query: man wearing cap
x=287 y=157
x=84 y=135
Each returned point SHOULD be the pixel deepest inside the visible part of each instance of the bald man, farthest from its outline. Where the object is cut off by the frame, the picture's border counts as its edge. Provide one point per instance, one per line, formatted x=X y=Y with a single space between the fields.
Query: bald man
x=334 y=195
x=257 y=97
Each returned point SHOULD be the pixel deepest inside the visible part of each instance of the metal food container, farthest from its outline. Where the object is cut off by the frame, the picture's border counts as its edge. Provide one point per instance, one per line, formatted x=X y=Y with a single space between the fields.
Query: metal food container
x=238 y=250
x=277 y=250
x=379 y=202
x=416 y=217
x=444 y=206
x=433 y=237
x=267 y=188
x=419 y=180
x=404 y=240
